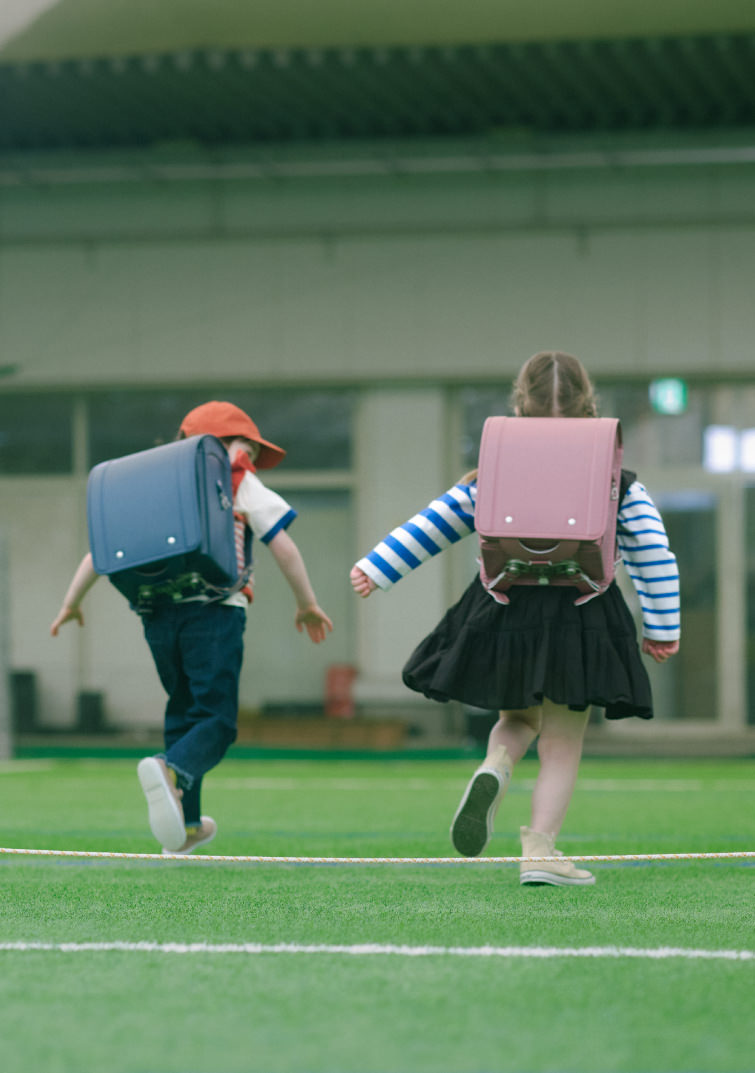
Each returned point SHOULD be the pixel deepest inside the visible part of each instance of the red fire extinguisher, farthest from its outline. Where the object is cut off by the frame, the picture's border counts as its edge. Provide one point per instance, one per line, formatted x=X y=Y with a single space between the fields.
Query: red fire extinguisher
x=339 y=691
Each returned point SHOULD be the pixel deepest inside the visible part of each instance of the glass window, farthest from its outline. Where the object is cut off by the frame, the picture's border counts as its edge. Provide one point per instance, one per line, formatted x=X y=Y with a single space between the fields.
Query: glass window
x=477 y=404
x=36 y=433
x=121 y=422
x=655 y=439
x=685 y=687
x=314 y=427
x=650 y=438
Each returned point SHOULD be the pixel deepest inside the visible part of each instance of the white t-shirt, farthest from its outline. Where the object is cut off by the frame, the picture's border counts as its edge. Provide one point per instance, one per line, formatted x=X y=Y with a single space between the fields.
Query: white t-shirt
x=264 y=511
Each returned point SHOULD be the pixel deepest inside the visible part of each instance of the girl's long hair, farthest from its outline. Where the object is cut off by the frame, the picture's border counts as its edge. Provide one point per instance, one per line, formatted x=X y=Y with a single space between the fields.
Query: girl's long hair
x=550 y=384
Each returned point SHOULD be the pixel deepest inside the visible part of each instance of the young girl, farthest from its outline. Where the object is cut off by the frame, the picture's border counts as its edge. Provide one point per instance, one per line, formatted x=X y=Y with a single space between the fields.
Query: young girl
x=539 y=660
x=198 y=647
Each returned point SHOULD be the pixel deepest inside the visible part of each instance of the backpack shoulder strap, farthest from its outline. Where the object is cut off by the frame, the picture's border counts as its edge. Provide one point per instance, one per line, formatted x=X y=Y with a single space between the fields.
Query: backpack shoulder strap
x=628 y=477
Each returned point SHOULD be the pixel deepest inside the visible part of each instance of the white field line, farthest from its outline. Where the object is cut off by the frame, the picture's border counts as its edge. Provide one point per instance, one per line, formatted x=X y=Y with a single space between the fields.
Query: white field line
x=24 y=767
x=386 y=949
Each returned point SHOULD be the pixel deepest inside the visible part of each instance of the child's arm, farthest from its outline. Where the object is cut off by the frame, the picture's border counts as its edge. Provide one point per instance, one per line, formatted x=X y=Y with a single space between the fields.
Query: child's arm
x=659 y=650
x=444 y=522
x=361 y=583
x=652 y=566
x=81 y=583
x=309 y=615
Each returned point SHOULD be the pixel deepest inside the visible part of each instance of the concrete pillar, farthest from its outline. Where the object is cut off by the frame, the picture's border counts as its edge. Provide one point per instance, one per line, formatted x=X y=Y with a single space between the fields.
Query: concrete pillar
x=80 y=434
x=731 y=570
x=402 y=450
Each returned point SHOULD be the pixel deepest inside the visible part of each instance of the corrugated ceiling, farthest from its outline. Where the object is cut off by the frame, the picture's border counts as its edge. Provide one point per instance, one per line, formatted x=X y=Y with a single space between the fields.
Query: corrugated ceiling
x=32 y=30
x=69 y=82
x=291 y=95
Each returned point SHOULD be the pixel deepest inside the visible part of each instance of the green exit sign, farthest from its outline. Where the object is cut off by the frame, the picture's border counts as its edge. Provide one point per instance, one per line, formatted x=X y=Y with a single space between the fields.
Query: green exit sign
x=668 y=396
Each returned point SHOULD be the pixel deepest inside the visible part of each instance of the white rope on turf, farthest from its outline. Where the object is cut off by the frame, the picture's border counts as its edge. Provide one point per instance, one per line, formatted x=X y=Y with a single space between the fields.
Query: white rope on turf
x=260 y=859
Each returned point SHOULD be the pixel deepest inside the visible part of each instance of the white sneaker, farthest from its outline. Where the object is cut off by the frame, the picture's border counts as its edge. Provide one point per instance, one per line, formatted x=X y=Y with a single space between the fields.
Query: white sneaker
x=166 y=814
x=197 y=836
x=472 y=825
x=555 y=873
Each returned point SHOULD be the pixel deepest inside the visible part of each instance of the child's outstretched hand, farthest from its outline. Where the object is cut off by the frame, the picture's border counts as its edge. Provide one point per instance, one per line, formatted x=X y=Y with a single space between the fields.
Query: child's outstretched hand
x=660 y=650
x=81 y=583
x=314 y=620
x=361 y=583
x=66 y=614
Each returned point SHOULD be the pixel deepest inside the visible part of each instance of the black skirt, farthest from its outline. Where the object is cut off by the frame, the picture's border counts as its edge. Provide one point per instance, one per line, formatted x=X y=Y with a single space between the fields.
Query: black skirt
x=496 y=656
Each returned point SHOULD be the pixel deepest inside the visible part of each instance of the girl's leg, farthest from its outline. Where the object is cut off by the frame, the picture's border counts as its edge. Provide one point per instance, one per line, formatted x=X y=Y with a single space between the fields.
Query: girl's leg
x=508 y=742
x=560 y=751
x=515 y=731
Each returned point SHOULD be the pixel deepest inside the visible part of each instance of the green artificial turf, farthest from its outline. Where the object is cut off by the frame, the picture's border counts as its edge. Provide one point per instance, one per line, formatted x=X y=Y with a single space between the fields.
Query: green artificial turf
x=302 y=1011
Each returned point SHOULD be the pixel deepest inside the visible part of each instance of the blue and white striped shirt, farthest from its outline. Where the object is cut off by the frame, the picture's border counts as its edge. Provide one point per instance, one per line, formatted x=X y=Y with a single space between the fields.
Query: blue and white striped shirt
x=650 y=563
x=641 y=537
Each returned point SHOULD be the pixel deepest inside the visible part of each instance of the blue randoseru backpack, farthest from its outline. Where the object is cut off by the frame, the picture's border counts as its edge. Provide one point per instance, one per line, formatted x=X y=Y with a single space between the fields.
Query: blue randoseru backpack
x=161 y=522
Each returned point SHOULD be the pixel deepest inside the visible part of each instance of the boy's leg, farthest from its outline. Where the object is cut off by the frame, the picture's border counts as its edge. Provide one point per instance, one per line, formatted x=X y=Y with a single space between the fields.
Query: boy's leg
x=162 y=632
x=166 y=818
x=158 y=781
x=211 y=649
x=178 y=723
x=197 y=651
x=196 y=835
x=192 y=803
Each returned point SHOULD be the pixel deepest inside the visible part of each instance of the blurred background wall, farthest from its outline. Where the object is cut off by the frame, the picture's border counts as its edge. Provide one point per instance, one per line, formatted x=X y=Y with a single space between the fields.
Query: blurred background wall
x=358 y=229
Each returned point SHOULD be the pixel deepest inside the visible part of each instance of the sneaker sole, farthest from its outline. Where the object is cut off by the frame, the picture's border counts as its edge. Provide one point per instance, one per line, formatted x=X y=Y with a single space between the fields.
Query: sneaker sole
x=473 y=822
x=536 y=878
x=165 y=815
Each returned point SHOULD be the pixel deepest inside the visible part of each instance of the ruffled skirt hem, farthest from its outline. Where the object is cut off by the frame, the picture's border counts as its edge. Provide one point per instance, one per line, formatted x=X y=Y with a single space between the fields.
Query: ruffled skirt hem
x=511 y=656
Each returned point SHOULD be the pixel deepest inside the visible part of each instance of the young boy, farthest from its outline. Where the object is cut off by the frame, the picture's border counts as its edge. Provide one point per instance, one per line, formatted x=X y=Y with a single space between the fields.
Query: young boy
x=197 y=647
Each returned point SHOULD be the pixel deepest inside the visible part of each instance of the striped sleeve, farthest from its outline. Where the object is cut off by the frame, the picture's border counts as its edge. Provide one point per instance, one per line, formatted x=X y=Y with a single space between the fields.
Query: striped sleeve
x=442 y=523
x=651 y=564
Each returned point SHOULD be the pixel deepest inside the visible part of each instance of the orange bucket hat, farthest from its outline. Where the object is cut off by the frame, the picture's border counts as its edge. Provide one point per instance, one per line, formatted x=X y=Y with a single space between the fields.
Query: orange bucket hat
x=223 y=419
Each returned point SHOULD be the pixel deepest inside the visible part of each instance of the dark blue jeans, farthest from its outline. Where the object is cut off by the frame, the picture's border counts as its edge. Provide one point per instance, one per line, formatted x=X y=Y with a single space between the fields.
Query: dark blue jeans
x=198 y=650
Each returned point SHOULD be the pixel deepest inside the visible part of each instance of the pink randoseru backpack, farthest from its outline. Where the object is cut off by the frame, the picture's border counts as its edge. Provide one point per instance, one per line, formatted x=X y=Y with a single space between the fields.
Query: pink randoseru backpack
x=547 y=498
